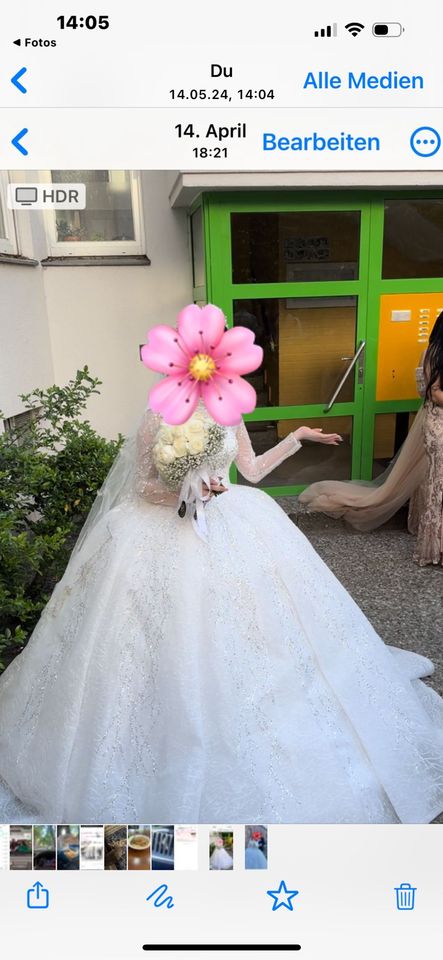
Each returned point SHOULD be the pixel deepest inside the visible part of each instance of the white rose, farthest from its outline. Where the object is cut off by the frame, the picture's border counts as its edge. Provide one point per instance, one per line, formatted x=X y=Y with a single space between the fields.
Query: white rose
x=194 y=432
x=158 y=445
x=180 y=446
x=200 y=416
x=158 y=450
x=165 y=453
x=165 y=434
x=196 y=428
x=196 y=445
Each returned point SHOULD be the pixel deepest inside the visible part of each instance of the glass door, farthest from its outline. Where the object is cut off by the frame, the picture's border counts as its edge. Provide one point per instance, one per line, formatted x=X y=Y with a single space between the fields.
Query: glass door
x=295 y=272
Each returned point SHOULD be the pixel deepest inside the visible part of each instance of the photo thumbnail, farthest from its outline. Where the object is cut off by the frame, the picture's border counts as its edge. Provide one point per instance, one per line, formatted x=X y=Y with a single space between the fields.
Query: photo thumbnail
x=221 y=849
x=256 y=848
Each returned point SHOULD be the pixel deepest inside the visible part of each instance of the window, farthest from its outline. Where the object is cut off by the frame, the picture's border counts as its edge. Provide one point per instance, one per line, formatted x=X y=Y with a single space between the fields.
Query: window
x=111 y=224
x=314 y=461
x=390 y=431
x=413 y=239
x=302 y=246
x=7 y=227
x=304 y=341
x=19 y=424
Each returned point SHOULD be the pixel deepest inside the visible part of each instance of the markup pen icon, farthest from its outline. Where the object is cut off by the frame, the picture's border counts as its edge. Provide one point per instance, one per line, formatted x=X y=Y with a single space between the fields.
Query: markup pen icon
x=160 y=898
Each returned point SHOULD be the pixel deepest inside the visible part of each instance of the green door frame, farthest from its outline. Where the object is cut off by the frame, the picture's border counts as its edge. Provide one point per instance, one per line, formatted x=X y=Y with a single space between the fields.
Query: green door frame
x=217 y=208
x=378 y=287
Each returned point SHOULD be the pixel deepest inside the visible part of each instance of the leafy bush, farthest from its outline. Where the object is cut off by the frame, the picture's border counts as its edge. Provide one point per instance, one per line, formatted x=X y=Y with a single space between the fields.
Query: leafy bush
x=50 y=471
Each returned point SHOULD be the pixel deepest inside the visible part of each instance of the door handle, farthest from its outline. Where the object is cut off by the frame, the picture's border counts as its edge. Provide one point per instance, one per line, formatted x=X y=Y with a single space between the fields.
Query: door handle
x=346 y=374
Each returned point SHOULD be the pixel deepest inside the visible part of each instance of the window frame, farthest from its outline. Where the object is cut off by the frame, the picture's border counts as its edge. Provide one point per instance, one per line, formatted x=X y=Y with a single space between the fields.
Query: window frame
x=98 y=248
x=8 y=244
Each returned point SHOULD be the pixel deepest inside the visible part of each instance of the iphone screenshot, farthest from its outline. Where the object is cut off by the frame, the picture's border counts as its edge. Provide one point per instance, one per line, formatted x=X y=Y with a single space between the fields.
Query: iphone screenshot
x=221 y=480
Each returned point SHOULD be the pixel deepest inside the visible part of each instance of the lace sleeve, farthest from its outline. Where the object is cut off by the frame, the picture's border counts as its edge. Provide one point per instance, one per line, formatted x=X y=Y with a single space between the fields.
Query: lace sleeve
x=147 y=482
x=420 y=381
x=254 y=468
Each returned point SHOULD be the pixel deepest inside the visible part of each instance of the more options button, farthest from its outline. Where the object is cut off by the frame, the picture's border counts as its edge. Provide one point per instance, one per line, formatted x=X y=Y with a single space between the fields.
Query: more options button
x=425 y=141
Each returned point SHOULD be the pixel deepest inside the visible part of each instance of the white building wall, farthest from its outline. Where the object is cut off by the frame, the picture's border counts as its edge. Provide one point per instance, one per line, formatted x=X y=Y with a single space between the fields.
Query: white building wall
x=99 y=315
x=25 y=348
x=56 y=319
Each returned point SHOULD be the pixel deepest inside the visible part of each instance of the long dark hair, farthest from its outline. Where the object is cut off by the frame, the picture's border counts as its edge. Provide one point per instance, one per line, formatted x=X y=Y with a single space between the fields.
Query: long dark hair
x=434 y=357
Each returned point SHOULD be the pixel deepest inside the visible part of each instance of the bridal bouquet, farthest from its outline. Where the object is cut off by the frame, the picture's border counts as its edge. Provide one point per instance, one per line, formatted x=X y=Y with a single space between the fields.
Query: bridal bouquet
x=178 y=451
x=186 y=457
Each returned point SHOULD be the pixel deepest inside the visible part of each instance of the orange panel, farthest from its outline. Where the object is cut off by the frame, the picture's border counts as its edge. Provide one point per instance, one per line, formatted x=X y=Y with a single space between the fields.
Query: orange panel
x=406 y=320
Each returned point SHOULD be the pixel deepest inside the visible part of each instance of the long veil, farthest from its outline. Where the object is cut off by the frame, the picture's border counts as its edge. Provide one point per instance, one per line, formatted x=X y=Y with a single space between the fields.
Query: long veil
x=119 y=485
x=366 y=505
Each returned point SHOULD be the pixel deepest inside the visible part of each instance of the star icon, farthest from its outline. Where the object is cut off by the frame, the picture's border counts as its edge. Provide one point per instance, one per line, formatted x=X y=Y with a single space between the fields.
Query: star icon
x=282 y=897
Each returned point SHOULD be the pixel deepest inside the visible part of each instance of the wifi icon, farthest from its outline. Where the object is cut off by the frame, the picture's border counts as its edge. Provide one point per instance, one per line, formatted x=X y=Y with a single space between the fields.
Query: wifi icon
x=354 y=28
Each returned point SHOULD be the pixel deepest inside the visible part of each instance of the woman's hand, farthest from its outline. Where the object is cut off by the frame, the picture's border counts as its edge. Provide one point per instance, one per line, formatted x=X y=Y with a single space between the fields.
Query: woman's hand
x=215 y=488
x=316 y=434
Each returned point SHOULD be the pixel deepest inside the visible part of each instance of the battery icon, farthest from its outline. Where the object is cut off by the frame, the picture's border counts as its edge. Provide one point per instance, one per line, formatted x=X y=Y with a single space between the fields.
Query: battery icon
x=387 y=29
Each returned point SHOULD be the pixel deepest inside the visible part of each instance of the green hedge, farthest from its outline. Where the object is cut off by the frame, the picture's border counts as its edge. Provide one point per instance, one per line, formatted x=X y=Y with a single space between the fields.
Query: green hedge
x=50 y=471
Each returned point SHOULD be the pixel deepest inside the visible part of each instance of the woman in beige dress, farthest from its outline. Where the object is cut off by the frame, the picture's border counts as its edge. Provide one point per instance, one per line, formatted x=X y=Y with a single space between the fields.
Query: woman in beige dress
x=415 y=474
x=428 y=520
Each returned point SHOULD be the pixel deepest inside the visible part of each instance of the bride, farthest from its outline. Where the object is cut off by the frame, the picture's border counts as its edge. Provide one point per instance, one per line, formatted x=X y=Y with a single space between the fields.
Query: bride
x=204 y=664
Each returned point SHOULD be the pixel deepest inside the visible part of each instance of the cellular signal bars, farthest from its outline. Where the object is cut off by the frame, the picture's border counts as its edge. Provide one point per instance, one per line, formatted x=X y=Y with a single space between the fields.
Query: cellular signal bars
x=329 y=31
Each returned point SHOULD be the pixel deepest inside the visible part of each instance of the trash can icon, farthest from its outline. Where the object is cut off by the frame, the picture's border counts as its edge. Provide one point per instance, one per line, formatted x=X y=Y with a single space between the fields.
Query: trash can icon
x=405 y=896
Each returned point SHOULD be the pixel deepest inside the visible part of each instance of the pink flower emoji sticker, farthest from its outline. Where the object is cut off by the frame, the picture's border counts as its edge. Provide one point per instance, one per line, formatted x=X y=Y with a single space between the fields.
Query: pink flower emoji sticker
x=202 y=361
x=219 y=842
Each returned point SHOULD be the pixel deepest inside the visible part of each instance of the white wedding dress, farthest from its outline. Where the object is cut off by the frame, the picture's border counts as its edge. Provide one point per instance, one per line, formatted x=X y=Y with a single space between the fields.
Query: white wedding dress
x=254 y=857
x=220 y=859
x=172 y=680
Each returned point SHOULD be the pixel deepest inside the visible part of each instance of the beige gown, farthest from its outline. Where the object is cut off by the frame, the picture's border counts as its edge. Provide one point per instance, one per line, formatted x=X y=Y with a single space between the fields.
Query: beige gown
x=415 y=474
x=428 y=501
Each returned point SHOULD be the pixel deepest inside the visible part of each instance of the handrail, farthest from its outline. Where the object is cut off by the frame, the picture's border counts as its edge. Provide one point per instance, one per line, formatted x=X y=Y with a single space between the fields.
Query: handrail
x=345 y=376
